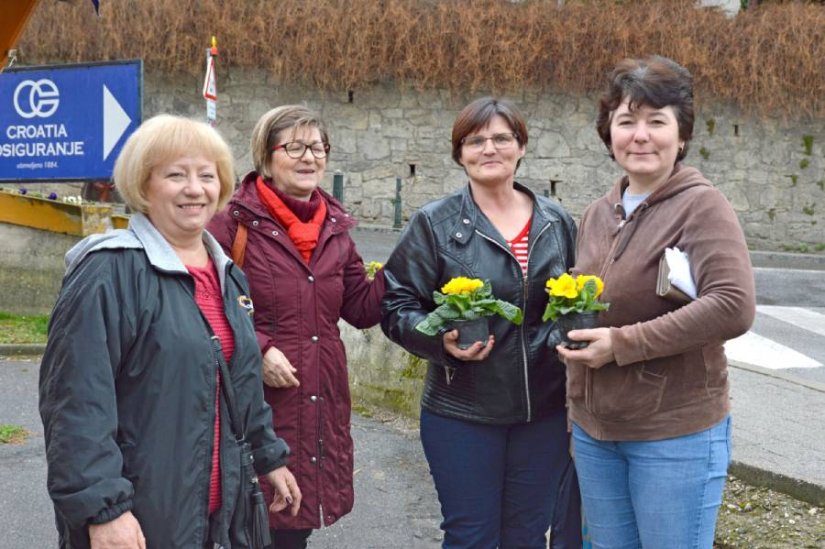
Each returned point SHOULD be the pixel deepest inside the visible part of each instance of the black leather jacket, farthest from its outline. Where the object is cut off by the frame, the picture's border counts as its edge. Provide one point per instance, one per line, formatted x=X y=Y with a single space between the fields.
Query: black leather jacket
x=522 y=379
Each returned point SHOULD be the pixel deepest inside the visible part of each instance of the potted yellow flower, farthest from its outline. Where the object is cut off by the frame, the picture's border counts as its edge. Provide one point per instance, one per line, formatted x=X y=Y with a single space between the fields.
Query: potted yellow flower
x=573 y=305
x=464 y=304
x=372 y=268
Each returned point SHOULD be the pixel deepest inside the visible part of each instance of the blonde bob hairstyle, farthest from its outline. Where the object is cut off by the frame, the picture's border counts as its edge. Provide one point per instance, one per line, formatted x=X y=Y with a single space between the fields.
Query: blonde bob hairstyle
x=269 y=128
x=163 y=139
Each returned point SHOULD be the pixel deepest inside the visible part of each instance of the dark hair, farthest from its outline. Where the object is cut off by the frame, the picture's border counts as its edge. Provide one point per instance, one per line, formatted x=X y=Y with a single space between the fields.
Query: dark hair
x=654 y=81
x=478 y=114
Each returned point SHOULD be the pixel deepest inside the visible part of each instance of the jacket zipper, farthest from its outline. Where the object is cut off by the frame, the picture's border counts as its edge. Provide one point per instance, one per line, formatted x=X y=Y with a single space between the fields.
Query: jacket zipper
x=588 y=373
x=524 y=287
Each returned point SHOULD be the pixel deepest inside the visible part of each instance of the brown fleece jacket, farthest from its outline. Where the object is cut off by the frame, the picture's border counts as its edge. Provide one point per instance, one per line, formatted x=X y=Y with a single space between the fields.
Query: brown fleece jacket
x=670 y=375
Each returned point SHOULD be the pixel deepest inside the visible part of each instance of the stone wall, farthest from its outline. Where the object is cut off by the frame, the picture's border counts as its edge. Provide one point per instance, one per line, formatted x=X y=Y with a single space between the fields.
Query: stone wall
x=772 y=172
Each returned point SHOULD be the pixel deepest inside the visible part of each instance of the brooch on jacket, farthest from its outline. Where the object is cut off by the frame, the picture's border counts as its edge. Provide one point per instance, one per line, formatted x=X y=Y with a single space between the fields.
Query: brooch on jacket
x=246 y=303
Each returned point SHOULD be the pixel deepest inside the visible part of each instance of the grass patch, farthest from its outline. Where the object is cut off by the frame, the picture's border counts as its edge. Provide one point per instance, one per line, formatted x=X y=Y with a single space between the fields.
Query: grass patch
x=12 y=434
x=23 y=329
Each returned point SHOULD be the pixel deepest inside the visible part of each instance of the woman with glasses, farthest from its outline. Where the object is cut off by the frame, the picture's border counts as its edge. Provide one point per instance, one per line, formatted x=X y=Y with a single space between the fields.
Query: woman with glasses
x=493 y=421
x=291 y=239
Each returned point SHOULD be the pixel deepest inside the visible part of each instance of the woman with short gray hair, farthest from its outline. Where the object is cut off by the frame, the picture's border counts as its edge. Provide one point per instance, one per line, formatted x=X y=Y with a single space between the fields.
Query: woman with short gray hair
x=292 y=240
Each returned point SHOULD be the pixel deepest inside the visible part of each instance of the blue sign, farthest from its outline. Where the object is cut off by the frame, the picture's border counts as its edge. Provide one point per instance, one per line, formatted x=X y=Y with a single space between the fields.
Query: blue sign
x=67 y=122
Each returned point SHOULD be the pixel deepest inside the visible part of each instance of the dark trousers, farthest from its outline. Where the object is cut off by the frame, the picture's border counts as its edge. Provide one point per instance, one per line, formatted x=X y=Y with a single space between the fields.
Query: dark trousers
x=290 y=539
x=501 y=486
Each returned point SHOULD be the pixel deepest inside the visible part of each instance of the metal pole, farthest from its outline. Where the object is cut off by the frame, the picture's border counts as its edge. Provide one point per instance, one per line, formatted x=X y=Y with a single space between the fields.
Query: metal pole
x=397 y=203
x=338 y=186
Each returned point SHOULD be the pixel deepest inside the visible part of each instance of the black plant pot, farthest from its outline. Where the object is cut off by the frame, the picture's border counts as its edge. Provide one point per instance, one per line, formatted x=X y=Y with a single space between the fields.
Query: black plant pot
x=576 y=321
x=470 y=331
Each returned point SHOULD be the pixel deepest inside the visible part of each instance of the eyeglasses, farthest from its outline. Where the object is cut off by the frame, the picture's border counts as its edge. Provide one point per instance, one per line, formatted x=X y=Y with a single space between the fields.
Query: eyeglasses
x=296 y=149
x=500 y=141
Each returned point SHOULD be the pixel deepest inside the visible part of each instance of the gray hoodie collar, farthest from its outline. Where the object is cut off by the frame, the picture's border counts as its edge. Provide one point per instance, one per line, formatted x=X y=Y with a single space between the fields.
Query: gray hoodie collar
x=141 y=234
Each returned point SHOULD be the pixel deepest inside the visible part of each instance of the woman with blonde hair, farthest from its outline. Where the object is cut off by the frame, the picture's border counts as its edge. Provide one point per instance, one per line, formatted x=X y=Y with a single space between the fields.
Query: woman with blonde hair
x=152 y=368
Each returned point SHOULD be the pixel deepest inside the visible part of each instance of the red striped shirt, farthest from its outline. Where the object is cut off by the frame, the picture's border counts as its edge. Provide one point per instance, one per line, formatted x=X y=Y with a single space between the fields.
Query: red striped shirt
x=209 y=300
x=519 y=246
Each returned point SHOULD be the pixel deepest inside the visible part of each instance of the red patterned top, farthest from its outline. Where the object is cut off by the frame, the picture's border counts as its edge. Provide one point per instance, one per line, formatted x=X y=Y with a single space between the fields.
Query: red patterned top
x=519 y=246
x=209 y=300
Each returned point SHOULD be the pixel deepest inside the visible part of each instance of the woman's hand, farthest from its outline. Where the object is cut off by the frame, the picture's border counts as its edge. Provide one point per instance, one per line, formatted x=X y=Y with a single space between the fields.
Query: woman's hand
x=287 y=492
x=121 y=533
x=277 y=371
x=475 y=352
x=598 y=352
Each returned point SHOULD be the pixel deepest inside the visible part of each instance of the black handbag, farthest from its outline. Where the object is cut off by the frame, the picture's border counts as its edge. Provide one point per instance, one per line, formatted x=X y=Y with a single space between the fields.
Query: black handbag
x=253 y=506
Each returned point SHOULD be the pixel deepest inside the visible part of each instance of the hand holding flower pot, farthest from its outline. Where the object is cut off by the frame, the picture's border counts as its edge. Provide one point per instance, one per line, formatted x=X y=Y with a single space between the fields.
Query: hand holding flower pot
x=464 y=304
x=573 y=304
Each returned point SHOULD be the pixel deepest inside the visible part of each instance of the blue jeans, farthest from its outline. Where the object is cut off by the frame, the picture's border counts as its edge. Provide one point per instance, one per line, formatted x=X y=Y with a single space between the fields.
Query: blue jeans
x=499 y=485
x=653 y=494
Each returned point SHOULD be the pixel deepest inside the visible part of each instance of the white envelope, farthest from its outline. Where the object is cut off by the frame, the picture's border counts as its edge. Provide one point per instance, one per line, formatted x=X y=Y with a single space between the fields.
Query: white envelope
x=679 y=275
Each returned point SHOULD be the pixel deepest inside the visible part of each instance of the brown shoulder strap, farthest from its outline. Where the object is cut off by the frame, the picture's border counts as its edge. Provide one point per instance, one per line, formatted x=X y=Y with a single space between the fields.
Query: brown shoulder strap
x=239 y=245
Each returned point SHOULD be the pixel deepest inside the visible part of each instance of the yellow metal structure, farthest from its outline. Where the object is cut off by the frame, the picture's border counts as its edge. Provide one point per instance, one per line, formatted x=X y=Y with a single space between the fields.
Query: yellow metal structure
x=57 y=217
x=15 y=15
x=120 y=221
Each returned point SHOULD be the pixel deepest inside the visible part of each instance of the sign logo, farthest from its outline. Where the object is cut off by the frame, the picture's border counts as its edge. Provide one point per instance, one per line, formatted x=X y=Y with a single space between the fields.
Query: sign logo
x=43 y=98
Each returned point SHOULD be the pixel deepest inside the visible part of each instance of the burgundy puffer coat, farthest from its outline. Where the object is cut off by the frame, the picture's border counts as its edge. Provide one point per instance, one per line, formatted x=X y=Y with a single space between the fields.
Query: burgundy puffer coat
x=297 y=308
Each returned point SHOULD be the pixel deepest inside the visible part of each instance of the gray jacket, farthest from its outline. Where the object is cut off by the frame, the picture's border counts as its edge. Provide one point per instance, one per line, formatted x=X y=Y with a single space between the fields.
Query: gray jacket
x=127 y=393
x=522 y=379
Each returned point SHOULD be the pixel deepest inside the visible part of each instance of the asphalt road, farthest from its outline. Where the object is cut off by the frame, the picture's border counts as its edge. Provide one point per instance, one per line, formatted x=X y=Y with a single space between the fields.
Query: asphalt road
x=395 y=503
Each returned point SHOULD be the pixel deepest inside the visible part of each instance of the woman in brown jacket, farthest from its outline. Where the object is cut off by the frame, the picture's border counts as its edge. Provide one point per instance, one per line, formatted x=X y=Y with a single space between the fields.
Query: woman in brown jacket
x=304 y=274
x=648 y=397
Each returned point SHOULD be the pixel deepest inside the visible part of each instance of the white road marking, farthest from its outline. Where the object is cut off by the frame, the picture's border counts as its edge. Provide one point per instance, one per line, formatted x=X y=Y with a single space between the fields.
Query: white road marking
x=754 y=349
x=798 y=316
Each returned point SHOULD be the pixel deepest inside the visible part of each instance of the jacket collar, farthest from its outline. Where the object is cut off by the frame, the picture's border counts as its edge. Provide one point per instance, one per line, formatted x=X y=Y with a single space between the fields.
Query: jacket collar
x=681 y=179
x=470 y=217
x=141 y=234
x=247 y=205
x=160 y=253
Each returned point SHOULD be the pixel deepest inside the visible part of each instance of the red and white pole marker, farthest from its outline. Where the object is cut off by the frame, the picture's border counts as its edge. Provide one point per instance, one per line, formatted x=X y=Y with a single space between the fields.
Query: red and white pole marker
x=210 y=84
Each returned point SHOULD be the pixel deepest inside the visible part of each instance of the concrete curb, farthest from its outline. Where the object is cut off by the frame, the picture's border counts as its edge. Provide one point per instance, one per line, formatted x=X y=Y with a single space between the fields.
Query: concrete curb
x=22 y=349
x=778 y=374
x=799 y=489
x=788 y=260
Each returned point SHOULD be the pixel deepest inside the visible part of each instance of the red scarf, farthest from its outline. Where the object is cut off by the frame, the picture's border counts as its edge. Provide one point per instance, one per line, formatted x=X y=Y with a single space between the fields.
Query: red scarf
x=303 y=235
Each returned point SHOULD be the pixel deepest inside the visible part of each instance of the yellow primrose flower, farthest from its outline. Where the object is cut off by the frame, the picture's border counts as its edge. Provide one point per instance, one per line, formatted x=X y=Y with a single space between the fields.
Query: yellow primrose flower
x=461 y=285
x=581 y=280
x=563 y=286
x=372 y=268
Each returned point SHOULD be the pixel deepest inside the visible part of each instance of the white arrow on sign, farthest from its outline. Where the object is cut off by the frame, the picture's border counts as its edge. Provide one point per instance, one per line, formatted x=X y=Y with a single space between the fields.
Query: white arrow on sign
x=115 y=121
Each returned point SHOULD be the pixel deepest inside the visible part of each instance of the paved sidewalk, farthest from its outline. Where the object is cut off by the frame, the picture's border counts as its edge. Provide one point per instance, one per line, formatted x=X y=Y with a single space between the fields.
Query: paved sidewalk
x=778 y=431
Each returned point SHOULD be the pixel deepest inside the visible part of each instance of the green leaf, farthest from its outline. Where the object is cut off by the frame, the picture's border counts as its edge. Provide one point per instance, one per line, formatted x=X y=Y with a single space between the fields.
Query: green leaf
x=430 y=325
x=446 y=312
x=509 y=311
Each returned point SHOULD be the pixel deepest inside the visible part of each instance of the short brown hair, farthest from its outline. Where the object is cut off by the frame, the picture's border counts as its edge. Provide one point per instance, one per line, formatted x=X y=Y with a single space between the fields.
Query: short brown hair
x=268 y=129
x=162 y=139
x=653 y=81
x=478 y=114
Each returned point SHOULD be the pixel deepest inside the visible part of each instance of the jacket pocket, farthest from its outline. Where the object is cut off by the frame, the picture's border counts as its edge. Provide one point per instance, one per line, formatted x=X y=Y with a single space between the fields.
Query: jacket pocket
x=624 y=394
x=576 y=380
